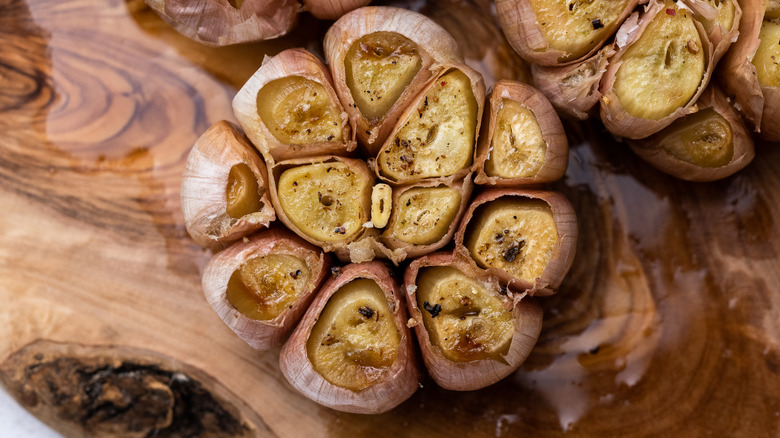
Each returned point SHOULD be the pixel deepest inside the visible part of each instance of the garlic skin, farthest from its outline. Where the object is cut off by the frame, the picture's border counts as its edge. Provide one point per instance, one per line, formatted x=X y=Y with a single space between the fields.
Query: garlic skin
x=573 y=89
x=770 y=120
x=615 y=117
x=476 y=374
x=524 y=32
x=435 y=46
x=331 y=9
x=262 y=335
x=737 y=74
x=218 y=23
x=651 y=149
x=287 y=64
x=203 y=188
x=463 y=187
x=563 y=251
x=412 y=112
x=397 y=384
x=556 y=157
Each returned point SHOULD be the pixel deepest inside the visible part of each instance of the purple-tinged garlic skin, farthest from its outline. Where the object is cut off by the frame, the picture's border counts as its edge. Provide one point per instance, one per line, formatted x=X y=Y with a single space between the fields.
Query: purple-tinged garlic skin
x=331 y=9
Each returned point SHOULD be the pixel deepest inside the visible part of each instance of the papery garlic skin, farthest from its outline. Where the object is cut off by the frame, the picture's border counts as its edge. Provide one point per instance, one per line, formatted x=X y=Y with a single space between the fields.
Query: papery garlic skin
x=388 y=388
x=204 y=189
x=332 y=9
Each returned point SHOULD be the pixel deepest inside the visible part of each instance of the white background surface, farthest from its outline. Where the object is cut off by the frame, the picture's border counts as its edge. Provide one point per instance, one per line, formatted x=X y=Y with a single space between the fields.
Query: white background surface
x=17 y=422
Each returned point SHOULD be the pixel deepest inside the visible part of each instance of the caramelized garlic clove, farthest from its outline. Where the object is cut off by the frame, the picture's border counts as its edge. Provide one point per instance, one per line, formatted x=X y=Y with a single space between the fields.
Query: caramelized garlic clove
x=425 y=216
x=663 y=64
x=224 y=185
x=222 y=23
x=381 y=205
x=381 y=58
x=710 y=144
x=472 y=331
x=352 y=350
x=524 y=143
x=325 y=200
x=525 y=238
x=767 y=63
x=436 y=135
x=558 y=32
x=573 y=89
x=721 y=22
x=737 y=74
x=262 y=286
x=331 y=9
x=288 y=108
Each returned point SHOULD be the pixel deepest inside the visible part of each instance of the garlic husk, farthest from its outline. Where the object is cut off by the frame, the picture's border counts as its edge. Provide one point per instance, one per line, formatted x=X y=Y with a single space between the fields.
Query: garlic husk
x=556 y=157
x=737 y=74
x=287 y=64
x=203 y=187
x=562 y=253
x=331 y=9
x=218 y=23
x=462 y=187
x=770 y=120
x=476 y=374
x=434 y=44
x=357 y=166
x=397 y=384
x=720 y=36
x=573 y=89
x=412 y=111
x=262 y=335
x=524 y=33
x=615 y=117
x=651 y=149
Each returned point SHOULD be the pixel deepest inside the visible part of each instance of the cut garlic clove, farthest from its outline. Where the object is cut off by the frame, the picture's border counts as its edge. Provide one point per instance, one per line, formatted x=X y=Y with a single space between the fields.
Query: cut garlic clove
x=710 y=144
x=526 y=238
x=288 y=108
x=436 y=135
x=381 y=58
x=558 y=32
x=524 y=143
x=663 y=64
x=325 y=200
x=737 y=74
x=224 y=188
x=472 y=331
x=332 y=9
x=721 y=21
x=426 y=215
x=767 y=63
x=352 y=350
x=381 y=205
x=221 y=23
x=573 y=89
x=261 y=287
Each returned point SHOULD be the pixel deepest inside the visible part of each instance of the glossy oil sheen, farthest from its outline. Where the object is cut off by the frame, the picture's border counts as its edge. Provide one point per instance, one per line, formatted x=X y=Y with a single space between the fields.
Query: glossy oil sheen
x=667 y=325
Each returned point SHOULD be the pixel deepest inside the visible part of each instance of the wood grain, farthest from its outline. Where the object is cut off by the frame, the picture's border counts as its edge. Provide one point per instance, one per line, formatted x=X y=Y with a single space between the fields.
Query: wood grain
x=668 y=325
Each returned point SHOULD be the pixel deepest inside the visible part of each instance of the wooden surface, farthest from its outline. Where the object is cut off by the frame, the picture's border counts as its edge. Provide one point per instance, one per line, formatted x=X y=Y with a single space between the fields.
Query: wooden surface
x=668 y=325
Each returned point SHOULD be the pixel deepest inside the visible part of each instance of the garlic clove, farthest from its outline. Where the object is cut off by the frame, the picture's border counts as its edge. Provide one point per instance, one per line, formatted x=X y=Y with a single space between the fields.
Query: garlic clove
x=558 y=32
x=526 y=238
x=224 y=188
x=381 y=58
x=288 y=108
x=332 y=9
x=573 y=89
x=325 y=200
x=381 y=205
x=353 y=351
x=663 y=64
x=767 y=63
x=737 y=74
x=472 y=331
x=710 y=144
x=721 y=22
x=425 y=215
x=261 y=287
x=524 y=142
x=435 y=136
x=225 y=22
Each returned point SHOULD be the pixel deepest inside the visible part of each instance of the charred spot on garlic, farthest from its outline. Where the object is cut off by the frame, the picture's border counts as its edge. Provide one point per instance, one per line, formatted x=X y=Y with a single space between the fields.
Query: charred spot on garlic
x=433 y=310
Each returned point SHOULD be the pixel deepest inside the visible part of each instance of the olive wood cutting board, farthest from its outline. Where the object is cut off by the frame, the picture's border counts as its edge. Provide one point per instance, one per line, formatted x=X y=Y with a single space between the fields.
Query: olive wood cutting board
x=668 y=324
